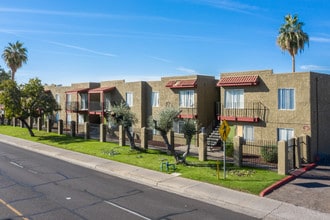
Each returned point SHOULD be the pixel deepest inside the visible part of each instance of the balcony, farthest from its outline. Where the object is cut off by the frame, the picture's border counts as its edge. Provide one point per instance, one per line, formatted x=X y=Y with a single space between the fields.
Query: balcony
x=188 y=113
x=75 y=107
x=96 y=106
x=252 y=112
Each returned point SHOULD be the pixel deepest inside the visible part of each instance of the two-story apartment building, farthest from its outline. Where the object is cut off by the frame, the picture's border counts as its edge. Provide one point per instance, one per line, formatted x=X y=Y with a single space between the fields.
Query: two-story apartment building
x=261 y=105
x=194 y=95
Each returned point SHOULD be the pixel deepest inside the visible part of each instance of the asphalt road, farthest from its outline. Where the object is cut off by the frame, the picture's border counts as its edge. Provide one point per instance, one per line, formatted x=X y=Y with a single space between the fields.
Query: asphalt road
x=33 y=186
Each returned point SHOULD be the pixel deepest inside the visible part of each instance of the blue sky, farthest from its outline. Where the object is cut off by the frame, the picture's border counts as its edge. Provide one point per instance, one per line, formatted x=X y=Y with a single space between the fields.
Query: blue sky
x=72 y=41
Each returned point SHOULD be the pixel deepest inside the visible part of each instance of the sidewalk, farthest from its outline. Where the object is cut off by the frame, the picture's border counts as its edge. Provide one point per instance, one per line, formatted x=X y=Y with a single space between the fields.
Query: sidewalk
x=259 y=207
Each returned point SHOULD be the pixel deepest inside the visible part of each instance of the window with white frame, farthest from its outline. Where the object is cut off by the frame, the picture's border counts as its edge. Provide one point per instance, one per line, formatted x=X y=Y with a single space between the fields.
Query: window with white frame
x=84 y=101
x=248 y=132
x=68 y=118
x=285 y=134
x=186 y=98
x=155 y=99
x=286 y=99
x=234 y=98
x=129 y=99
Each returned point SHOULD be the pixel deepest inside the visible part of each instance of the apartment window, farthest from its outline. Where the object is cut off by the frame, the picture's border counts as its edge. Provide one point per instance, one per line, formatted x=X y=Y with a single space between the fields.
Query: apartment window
x=178 y=125
x=107 y=104
x=129 y=98
x=81 y=119
x=186 y=98
x=83 y=101
x=285 y=134
x=286 y=99
x=68 y=118
x=155 y=99
x=248 y=132
x=234 y=98
x=57 y=98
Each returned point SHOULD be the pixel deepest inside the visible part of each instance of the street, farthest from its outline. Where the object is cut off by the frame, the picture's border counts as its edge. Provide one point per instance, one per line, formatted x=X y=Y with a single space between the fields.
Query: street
x=33 y=186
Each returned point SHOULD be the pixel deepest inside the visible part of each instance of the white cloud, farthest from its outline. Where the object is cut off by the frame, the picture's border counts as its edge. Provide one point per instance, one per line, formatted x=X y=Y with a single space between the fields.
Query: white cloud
x=229 y=5
x=320 y=39
x=187 y=70
x=314 y=67
x=82 y=49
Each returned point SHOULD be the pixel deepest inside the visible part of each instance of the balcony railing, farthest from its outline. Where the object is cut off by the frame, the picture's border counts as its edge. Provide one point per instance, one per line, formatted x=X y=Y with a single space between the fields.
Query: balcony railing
x=71 y=106
x=188 y=113
x=252 y=112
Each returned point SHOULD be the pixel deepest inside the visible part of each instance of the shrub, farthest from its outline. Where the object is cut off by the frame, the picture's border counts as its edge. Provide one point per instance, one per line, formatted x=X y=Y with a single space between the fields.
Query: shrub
x=269 y=153
x=229 y=149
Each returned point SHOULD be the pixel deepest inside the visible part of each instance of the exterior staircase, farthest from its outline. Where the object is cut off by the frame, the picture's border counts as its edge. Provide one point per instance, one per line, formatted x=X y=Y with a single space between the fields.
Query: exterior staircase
x=213 y=141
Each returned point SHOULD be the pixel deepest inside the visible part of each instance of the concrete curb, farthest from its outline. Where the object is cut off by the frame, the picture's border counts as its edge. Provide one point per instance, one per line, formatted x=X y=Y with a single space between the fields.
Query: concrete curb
x=287 y=179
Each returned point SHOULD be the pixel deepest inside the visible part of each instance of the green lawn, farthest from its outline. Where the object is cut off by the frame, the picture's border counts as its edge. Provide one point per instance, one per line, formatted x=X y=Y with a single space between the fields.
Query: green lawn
x=249 y=180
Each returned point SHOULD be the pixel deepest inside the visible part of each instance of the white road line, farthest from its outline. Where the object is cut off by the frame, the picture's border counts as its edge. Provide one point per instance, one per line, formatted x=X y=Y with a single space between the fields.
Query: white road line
x=127 y=210
x=16 y=164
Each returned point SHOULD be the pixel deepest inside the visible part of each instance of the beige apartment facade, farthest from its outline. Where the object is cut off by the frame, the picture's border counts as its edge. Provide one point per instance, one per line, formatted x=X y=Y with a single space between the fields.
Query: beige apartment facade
x=262 y=105
x=194 y=95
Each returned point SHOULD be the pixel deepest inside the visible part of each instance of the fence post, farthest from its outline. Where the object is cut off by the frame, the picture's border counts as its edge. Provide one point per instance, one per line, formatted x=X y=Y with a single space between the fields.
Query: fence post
x=14 y=122
x=73 y=128
x=39 y=124
x=86 y=130
x=282 y=155
x=238 y=150
x=202 y=148
x=60 y=127
x=103 y=132
x=297 y=154
x=144 y=138
x=49 y=126
x=170 y=137
x=30 y=122
x=121 y=135
x=304 y=142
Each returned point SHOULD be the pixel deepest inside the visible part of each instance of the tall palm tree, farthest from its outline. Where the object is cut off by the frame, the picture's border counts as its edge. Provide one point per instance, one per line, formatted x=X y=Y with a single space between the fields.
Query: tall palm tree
x=291 y=37
x=15 y=55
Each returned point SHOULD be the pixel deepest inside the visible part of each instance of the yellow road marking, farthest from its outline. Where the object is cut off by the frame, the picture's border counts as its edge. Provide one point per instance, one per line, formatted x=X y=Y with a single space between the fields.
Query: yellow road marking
x=13 y=209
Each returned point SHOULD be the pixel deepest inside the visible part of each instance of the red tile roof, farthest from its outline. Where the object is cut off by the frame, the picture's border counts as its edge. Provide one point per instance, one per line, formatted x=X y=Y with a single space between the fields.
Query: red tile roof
x=176 y=84
x=80 y=90
x=101 y=89
x=239 y=81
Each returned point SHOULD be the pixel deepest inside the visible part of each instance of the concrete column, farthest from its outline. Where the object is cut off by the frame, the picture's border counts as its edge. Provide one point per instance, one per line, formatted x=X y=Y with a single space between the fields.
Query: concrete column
x=103 y=133
x=30 y=122
x=86 y=130
x=49 y=126
x=238 y=150
x=14 y=122
x=73 y=128
x=39 y=124
x=304 y=143
x=122 y=140
x=297 y=154
x=282 y=157
x=60 y=127
x=202 y=148
x=144 y=138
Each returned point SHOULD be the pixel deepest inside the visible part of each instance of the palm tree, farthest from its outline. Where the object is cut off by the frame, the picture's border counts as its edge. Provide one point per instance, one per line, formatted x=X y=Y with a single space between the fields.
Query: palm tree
x=14 y=55
x=291 y=37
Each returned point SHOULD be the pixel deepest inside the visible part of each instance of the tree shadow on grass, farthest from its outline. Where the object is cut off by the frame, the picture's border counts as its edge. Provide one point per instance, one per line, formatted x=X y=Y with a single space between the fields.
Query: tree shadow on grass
x=61 y=139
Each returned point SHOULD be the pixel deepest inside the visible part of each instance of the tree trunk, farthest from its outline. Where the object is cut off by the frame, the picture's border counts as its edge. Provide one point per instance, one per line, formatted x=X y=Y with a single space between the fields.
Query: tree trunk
x=27 y=126
x=184 y=156
x=293 y=64
x=170 y=148
x=130 y=138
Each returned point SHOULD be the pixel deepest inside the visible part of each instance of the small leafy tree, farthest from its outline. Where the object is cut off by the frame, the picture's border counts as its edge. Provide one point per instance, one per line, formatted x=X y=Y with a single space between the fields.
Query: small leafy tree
x=4 y=75
x=164 y=123
x=189 y=130
x=24 y=101
x=122 y=115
